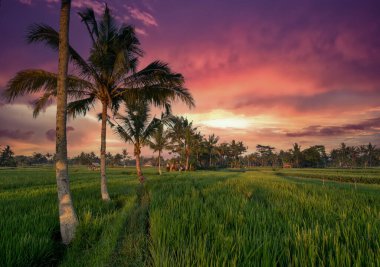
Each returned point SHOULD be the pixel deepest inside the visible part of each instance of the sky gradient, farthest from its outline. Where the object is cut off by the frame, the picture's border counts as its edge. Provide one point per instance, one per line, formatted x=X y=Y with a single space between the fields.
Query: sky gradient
x=265 y=72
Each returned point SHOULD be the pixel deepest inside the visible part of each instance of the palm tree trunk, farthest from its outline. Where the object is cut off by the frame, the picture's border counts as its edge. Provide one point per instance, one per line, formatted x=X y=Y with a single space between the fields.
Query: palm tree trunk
x=159 y=162
x=210 y=161
x=137 y=152
x=67 y=218
x=187 y=161
x=103 y=177
x=138 y=166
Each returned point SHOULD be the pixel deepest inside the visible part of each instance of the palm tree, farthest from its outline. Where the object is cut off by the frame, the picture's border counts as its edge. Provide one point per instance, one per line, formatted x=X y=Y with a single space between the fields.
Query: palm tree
x=211 y=141
x=109 y=75
x=136 y=128
x=197 y=148
x=343 y=155
x=223 y=151
x=67 y=217
x=125 y=157
x=237 y=148
x=370 y=151
x=182 y=132
x=160 y=141
x=296 y=154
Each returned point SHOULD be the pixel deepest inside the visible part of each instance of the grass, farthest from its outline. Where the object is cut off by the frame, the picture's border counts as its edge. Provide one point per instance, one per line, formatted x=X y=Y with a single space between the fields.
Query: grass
x=367 y=176
x=259 y=217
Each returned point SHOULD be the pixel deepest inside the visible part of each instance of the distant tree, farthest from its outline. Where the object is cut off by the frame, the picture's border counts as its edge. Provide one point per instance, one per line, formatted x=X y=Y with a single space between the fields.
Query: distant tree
x=314 y=156
x=210 y=143
x=223 y=151
x=368 y=154
x=160 y=141
x=85 y=159
x=296 y=153
x=109 y=159
x=125 y=157
x=49 y=157
x=285 y=157
x=183 y=134
x=7 y=158
x=267 y=156
x=237 y=148
x=117 y=159
x=39 y=158
x=22 y=160
x=198 y=150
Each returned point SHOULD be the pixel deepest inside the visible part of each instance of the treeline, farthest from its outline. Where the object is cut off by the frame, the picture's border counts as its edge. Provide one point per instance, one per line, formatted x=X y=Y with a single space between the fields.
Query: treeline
x=9 y=159
x=206 y=153
x=344 y=156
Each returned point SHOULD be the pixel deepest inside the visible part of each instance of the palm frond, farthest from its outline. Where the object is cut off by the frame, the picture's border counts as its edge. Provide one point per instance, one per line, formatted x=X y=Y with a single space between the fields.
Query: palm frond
x=50 y=37
x=107 y=26
x=88 y=18
x=160 y=96
x=124 y=134
x=128 y=40
x=150 y=129
x=29 y=82
x=156 y=73
x=158 y=84
x=33 y=81
x=80 y=107
x=42 y=102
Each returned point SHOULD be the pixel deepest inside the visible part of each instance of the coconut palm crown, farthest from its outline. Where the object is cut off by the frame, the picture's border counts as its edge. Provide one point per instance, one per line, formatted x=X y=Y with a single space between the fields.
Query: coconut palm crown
x=109 y=75
x=160 y=140
x=136 y=127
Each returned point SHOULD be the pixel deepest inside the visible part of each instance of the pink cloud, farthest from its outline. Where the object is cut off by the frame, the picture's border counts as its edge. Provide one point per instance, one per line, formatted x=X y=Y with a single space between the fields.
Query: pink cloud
x=146 y=18
x=26 y=2
x=370 y=125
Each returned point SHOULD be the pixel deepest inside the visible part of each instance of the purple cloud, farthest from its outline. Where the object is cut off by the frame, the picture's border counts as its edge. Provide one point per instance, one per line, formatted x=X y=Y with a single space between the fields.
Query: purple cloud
x=317 y=102
x=50 y=134
x=367 y=125
x=16 y=134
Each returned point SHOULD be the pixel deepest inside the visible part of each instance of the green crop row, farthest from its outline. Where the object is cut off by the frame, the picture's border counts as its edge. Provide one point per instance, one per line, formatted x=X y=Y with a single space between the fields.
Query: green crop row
x=223 y=218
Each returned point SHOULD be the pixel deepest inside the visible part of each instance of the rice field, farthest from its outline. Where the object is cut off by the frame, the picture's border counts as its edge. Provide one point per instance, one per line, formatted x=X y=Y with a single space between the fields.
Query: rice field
x=220 y=218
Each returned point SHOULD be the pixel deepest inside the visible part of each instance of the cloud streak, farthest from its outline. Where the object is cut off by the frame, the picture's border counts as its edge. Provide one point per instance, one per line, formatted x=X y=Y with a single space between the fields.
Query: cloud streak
x=50 y=134
x=371 y=125
x=16 y=134
x=145 y=17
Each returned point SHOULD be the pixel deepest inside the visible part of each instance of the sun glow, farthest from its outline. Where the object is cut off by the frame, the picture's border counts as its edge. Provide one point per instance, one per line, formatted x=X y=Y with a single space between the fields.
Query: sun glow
x=232 y=122
x=223 y=119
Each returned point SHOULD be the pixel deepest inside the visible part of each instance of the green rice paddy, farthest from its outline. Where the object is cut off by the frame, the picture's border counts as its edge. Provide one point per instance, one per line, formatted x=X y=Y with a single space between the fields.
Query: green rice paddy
x=260 y=217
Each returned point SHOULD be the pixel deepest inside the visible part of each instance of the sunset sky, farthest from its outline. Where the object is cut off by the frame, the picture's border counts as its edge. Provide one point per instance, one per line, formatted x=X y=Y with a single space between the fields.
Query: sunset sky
x=264 y=72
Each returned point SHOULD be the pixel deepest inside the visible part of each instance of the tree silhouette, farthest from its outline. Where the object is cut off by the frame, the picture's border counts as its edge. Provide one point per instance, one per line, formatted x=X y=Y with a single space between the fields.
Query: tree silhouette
x=108 y=76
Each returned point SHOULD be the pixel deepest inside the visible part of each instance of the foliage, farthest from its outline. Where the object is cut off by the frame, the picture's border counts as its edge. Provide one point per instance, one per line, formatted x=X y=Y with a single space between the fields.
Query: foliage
x=7 y=158
x=316 y=157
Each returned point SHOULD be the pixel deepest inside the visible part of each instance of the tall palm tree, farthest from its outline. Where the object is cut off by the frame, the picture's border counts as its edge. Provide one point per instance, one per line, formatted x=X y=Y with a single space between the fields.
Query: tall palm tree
x=108 y=76
x=136 y=128
x=67 y=217
x=160 y=141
